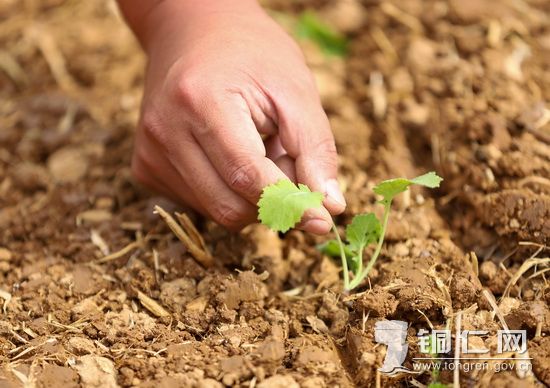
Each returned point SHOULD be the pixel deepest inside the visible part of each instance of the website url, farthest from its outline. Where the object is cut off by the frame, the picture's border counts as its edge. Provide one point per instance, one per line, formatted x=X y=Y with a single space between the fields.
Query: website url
x=467 y=366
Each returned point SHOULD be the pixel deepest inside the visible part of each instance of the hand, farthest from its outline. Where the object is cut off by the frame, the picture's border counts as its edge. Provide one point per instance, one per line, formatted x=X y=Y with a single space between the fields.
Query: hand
x=221 y=75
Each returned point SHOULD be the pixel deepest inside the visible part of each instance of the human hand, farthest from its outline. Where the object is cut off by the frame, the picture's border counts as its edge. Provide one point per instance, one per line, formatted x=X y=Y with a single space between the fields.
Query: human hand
x=220 y=76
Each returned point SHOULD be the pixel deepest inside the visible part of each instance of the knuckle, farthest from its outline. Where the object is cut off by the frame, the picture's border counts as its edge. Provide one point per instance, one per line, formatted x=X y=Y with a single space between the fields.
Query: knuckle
x=229 y=216
x=152 y=126
x=185 y=90
x=326 y=151
x=188 y=90
x=243 y=176
x=326 y=146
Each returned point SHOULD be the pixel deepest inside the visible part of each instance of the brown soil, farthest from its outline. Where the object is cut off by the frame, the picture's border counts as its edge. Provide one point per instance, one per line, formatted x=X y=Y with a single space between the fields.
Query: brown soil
x=465 y=92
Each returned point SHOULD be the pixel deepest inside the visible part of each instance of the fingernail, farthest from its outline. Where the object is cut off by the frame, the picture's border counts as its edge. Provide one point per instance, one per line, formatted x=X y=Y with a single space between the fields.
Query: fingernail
x=317 y=226
x=332 y=190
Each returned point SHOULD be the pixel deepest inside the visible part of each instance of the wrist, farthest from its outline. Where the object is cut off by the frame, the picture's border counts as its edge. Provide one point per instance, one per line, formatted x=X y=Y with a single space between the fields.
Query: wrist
x=165 y=22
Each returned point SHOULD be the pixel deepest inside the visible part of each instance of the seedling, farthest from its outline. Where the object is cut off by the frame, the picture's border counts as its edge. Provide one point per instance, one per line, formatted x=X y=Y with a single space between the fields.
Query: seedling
x=283 y=204
x=330 y=41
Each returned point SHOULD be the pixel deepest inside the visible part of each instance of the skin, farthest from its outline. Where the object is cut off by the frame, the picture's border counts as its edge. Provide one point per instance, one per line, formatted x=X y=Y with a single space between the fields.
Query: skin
x=229 y=107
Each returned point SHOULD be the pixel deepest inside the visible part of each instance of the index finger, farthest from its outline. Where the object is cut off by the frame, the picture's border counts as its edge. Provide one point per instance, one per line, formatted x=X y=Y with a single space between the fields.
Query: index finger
x=305 y=133
x=235 y=148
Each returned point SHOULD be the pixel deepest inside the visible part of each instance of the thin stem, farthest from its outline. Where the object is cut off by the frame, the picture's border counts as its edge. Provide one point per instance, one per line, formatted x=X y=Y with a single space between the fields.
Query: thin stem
x=359 y=261
x=356 y=281
x=343 y=257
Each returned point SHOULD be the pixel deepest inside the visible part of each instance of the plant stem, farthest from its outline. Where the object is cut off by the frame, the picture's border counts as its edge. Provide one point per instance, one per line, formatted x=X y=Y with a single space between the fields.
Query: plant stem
x=343 y=257
x=356 y=281
x=359 y=261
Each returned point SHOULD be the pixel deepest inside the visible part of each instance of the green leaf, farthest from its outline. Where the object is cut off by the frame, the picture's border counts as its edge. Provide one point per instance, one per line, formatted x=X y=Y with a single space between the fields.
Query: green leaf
x=283 y=204
x=331 y=42
x=430 y=179
x=363 y=230
x=332 y=249
x=390 y=188
x=437 y=385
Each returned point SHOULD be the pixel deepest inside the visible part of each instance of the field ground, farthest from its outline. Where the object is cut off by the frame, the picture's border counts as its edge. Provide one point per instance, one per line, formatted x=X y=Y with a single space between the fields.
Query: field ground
x=460 y=87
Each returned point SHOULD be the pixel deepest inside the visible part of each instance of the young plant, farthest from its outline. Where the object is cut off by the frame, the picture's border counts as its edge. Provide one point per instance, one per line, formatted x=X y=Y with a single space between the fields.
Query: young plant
x=283 y=204
x=330 y=41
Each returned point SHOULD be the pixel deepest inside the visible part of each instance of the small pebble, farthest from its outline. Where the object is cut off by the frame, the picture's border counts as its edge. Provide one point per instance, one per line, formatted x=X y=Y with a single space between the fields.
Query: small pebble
x=514 y=224
x=5 y=255
x=488 y=270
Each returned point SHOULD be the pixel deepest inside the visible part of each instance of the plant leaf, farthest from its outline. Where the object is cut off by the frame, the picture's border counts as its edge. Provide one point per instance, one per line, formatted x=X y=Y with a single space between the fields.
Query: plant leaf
x=390 y=188
x=430 y=179
x=363 y=230
x=332 y=249
x=331 y=42
x=282 y=204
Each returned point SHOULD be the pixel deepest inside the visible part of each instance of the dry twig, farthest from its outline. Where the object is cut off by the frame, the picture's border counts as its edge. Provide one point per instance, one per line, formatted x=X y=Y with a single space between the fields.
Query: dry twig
x=53 y=56
x=152 y=305
x=402 y=17
x=203 y=257
x=191 y=230
x=116 y=255
x=526 y=266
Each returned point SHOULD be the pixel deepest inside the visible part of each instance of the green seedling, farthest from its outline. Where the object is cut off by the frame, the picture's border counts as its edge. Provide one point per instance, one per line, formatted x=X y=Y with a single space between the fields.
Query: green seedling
x=433 y=351
x=331 y=42
x=283 y=204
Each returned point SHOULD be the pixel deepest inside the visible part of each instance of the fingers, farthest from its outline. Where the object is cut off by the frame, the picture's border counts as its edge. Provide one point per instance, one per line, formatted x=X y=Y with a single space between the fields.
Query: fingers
x=222 y=204
x=305 y=133
x=286 y=165
x=315 y=221
x=274 y=148
x=153 y=170
x=233 y=145
x=219 y=163
x=231 y=142
x=189 y=178
x=276 y=152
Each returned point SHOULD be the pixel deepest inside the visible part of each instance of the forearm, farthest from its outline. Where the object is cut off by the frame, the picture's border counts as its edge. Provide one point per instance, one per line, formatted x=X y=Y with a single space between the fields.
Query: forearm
x=150 y=19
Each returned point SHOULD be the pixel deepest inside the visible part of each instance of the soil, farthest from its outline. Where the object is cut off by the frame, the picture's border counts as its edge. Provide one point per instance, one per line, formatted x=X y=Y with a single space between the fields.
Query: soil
x=465 y=92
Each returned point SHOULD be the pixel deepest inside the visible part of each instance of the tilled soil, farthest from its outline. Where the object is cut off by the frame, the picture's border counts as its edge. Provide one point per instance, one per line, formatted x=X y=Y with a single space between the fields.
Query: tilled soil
x=459 y=87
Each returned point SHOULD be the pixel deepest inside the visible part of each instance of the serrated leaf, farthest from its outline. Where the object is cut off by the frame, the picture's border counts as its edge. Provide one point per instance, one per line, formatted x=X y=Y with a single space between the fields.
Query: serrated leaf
x=391 y=187
x=363 y=230
x=283 y=204
x=430 y=179
x=332 y=249
x=331 y=42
